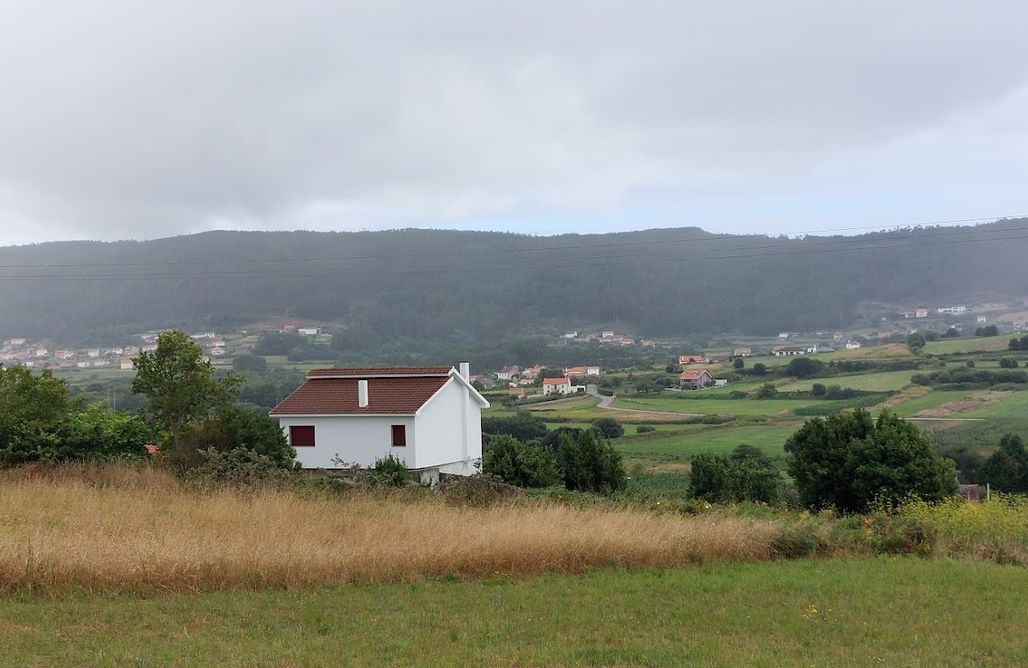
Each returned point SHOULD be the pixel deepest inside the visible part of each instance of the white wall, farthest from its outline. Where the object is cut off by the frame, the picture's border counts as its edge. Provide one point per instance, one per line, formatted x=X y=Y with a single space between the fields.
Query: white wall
x=446 y=423
x=356 y=440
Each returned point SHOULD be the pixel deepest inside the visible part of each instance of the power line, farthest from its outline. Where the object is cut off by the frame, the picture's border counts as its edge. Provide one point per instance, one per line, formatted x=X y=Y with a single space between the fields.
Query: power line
x=532 y=249
x=676 y=256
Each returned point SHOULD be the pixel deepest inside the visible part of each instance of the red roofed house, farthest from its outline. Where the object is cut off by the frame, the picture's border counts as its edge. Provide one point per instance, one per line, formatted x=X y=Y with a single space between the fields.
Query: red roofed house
x=428 y=417
x=698 y=378
x=559 y=385
x=690 y=359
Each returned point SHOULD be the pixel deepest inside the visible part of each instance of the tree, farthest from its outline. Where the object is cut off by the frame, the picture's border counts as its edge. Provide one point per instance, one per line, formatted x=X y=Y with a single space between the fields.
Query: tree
x=33 y=409
x=522 y=426
x=589 y=463
x=179 y=384
x=1007 y=363
x=1007 y=469
x=988 y=330
x=745 y=475
x=249 y=363
x=1014 y=344
x=953 y=333
x=519 y=464
x=850 y=462
x=608 y=428
x=804 y=367
x=100 y=433
x=916 y=342
x=738 y=363
x=818 y=390
x=759 y=369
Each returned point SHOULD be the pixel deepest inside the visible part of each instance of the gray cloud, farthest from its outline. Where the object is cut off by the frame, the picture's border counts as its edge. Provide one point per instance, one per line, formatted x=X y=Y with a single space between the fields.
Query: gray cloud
x=128 y=119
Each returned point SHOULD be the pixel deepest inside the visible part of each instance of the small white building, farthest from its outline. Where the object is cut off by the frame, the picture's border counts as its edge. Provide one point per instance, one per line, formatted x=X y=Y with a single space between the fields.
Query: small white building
x=430 y=418
x=308 y=331
x=558 y=385
x=852 y=345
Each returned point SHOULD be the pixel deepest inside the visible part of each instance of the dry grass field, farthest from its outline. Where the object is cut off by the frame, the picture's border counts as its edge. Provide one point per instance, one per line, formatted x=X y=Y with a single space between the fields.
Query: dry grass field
x=123 y=529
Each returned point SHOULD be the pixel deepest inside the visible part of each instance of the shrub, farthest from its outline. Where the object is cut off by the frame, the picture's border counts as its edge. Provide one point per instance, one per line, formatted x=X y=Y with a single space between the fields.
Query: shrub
x=644 y=429
x=477 y=491
x=746 y=475
x=1007 y=468
x=238 y=466
x=515 y=463
x=797 y=540
x=804 y=367
x=523 y=426
x=818 y=390
x=608 y=428
x=589 y=463
x=391 y=472
x=1008 y=363
x=232 y=428
x=766 y=391
x=100 y=433
x=759 y=369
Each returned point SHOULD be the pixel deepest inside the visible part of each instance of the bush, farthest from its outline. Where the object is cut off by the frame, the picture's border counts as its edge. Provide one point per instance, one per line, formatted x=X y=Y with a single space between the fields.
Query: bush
x=797 y=540
x=608 y=428
x=804 y=367
x=231 y=429
x=746 y=475
x=759 y=369
x=391 y=472
x=589 y=463
x=100 y=433
x=515 y=463
x=988 y=330
x=238 y=466
x=644 y=429
x=249 y=363
x=523 y=426
x=1007 y=469
x=970 y=364
x=1008 y=363
x=885 y=533
x=818 y=390
x=766 y=391
x=477 y=491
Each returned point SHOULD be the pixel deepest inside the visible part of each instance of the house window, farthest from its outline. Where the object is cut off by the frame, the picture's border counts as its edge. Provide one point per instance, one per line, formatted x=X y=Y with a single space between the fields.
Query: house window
x=301 y=437
x=399 y=435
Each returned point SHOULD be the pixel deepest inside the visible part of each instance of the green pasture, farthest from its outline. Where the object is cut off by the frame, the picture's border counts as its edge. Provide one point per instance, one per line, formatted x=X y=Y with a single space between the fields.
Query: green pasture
x=884 y=381
x=734 y=407
x=811 y=612
x=971 y=344
x=1015 y=405
x=690 y=440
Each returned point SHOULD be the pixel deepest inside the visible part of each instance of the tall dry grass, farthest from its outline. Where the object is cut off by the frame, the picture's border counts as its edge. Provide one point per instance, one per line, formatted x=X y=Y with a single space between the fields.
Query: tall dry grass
x=126 y=528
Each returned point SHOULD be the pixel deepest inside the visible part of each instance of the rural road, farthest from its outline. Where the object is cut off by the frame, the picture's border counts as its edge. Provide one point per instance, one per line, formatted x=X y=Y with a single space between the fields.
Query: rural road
x=606 y=405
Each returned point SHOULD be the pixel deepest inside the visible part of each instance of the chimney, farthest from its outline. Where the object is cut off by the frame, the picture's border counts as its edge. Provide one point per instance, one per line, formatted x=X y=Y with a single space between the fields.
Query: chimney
x=465 y=370
x=362 y=393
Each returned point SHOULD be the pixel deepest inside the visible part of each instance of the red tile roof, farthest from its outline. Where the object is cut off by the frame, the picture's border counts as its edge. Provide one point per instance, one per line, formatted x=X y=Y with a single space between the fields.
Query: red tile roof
x=556 y=381
x=692 y=374
x=402 y=395
x=372 y=372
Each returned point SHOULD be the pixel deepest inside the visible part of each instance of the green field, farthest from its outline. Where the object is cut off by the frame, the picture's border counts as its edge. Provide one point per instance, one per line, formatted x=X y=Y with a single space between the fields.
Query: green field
x=885 y=381
x=968 y=345
x=693 y=439
x=737 y=407
x=933 y=399
x=1016 y=405
x=810 y=612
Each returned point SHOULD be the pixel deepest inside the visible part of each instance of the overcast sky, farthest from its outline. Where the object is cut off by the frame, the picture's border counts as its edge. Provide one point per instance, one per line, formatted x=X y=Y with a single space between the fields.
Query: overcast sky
x=134 y=119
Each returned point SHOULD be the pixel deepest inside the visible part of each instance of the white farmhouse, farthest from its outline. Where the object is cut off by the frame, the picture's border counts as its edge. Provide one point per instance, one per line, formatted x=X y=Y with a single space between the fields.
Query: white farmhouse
x=428 y=417
x=559 y=385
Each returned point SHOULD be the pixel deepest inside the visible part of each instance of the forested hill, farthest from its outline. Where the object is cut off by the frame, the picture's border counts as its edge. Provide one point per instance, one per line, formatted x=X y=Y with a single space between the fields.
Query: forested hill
x=455 y=285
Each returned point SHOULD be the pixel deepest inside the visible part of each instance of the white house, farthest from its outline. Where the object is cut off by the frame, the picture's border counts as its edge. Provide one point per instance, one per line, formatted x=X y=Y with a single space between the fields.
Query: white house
x=428 y=417
x=558 y=385
x=852 y=345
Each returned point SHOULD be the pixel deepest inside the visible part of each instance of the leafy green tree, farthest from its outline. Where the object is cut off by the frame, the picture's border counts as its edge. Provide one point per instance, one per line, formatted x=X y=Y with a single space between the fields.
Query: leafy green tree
x=1007 y=363
x=916 y=342
x=804 y=367
x=33 y=409
x=229 y=430
x=522 y=426
x=1007 y=469
x=100 y=433
x=738 y=363
x=589 y=463
x=253 y=363
x=179 y=384
x=519 y=464
x=988 y=330
x=818 y=390
x=766 y=391
x=1014 y=344
x=608 y=427
x=745 y=475
x=851 y=462
x=759 y=369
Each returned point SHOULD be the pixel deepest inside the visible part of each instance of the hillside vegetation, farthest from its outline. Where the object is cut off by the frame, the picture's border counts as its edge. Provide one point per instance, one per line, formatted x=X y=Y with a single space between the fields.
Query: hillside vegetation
x=413 y=286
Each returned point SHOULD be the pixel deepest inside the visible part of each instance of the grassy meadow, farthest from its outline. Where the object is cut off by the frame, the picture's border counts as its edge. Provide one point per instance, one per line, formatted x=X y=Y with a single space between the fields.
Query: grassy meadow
x=886 y=611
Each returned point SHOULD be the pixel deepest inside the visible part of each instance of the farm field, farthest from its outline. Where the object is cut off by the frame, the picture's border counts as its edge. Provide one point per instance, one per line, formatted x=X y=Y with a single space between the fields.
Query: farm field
x=887 y=611
x=933 y=399
x=885 y=381
x=968 y=345
x=736 y=407
x=694 y=439
x=1014 y=405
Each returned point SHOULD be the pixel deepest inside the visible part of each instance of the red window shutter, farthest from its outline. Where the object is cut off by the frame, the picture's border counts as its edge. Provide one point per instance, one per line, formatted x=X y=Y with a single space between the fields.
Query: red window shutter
x=301 y=437
x=399 y=435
